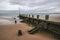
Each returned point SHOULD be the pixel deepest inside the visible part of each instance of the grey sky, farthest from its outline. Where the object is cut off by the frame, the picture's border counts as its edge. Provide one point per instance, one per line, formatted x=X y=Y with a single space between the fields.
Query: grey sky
x=38 y=5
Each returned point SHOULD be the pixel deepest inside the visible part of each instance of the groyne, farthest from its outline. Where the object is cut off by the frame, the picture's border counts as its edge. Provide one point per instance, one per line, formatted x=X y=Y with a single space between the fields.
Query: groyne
x=53 y=26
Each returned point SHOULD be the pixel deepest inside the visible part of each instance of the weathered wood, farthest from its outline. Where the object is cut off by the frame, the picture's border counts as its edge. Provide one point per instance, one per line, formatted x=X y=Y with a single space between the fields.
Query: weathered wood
x=46 y=17
x=29 y=15
x=48 y=24
x=37 y=16
x=32 y=16
x=19 y=32
x=37 y=28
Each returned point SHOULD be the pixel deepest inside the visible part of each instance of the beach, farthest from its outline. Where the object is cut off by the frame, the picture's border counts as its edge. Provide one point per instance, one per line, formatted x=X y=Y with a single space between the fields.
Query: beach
x=29 y=19
x=10 y=32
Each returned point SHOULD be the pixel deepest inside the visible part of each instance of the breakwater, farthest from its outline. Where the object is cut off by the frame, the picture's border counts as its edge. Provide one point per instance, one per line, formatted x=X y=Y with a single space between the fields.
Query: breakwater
x=53 y=26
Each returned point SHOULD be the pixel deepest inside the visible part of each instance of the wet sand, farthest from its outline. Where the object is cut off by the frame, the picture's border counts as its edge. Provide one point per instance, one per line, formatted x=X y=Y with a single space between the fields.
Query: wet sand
x=10 y=32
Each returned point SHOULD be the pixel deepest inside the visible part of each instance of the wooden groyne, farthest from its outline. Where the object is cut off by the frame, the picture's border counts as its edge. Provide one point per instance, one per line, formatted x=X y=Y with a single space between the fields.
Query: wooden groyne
x=53 y=26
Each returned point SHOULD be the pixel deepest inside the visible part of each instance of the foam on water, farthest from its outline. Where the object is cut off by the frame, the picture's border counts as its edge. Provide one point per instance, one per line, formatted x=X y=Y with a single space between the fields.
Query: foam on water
x=4 y=22
x=8 y=19
x=5 y=16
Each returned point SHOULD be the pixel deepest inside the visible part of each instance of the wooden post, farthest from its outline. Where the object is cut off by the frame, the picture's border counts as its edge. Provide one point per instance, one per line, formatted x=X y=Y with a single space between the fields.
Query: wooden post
x=29 y=19
x=37 y=16
x=46 y=24
x=32 y=21
x=29 y=15
x=32 y=16
x=46 y=17
x=19 y=32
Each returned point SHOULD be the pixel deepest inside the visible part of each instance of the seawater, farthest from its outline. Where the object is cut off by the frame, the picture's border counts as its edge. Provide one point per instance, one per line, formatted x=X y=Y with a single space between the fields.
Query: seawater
x=8 y=18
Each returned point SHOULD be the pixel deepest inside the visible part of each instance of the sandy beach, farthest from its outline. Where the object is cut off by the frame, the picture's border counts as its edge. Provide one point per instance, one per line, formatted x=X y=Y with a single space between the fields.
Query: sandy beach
x=10 y=32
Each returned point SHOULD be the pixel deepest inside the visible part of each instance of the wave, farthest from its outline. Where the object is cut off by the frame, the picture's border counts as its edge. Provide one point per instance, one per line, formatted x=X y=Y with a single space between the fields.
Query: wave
x=5 y=17
x=3 y=21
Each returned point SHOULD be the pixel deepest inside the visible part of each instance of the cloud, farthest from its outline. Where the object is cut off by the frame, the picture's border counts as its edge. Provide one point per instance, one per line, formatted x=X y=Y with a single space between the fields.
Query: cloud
x=5 y=5
x=57 y=9
x=34 y=2
x=37 y=5
x=28 y=2
x=2 y=0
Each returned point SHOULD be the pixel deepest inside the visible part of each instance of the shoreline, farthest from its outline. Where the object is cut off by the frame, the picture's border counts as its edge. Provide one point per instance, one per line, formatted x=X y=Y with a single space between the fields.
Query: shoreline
x=9 y=32
x=7 y=22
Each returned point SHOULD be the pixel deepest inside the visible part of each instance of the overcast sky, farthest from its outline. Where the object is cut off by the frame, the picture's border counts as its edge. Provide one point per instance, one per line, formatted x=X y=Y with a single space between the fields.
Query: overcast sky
x=37 y=5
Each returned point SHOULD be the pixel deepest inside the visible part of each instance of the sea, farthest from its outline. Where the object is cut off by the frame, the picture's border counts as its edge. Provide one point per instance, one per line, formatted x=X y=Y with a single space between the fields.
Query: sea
x=8 y=18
